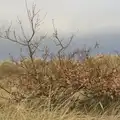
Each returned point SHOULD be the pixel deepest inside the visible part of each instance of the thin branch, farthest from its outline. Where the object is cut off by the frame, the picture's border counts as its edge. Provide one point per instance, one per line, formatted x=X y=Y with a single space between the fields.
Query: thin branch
x=5 y=90
x=22 y=29
x=60 y=41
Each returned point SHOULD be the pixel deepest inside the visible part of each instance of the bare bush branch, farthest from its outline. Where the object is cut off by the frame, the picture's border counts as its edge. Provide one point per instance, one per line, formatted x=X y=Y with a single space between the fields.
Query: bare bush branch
x=59 y=41
x=32 y=42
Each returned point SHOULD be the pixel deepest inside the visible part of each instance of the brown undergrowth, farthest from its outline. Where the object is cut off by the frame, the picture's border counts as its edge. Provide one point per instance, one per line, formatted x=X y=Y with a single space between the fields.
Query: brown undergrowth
x=70 y=83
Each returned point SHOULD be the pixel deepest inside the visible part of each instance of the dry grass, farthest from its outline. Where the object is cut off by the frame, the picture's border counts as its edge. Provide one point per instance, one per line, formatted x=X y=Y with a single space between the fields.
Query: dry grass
x=19 y=112
x=58 y=93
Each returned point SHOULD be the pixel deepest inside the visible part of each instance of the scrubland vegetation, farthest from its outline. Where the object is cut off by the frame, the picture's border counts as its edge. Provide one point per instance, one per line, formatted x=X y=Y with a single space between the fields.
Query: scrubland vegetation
x=66 y=89
x=57 y=87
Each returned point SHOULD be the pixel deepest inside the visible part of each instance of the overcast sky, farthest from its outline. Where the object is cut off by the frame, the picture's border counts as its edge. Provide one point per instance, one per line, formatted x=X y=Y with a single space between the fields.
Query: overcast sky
x=70 y=15
x=87 y=16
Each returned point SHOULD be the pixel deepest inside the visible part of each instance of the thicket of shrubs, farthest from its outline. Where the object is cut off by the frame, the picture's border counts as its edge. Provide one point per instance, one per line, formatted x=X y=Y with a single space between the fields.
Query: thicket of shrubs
x=93 y=83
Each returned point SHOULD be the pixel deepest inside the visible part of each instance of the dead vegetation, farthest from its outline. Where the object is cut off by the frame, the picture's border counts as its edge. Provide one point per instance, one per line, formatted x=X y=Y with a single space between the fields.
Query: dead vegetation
x=62 y=82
